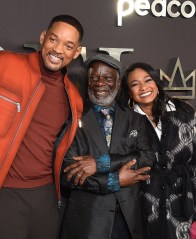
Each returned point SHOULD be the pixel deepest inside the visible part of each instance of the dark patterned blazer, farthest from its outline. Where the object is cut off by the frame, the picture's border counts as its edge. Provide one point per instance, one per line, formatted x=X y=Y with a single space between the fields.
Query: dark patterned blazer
x=89 y=210
x=170 y=195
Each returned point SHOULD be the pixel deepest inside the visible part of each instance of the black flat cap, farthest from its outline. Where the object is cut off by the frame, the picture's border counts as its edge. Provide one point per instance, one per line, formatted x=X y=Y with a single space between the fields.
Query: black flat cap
x=109 y=60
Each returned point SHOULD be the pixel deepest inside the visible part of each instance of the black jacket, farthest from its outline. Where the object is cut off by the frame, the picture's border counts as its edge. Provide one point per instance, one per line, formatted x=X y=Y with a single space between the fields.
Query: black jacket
x=89 y=211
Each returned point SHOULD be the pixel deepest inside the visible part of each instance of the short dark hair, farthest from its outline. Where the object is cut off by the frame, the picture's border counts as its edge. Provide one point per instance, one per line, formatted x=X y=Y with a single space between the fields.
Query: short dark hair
x=69 y=20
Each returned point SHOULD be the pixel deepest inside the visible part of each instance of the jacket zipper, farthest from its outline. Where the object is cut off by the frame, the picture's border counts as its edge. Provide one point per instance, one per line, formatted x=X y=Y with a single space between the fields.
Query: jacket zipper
x=11 y=101
x=13 y=139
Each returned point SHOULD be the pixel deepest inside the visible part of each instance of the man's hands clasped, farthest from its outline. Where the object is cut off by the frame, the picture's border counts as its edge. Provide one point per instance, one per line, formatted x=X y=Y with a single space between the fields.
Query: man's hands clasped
x=85 y=166
x=128 y=176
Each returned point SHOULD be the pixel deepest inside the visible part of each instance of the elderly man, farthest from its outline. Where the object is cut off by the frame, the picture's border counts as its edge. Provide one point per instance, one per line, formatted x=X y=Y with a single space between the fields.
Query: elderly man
x=102 y=170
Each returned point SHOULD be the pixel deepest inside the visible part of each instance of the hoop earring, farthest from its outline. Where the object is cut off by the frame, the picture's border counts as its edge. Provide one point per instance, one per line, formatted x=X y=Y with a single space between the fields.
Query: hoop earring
x=129 y=104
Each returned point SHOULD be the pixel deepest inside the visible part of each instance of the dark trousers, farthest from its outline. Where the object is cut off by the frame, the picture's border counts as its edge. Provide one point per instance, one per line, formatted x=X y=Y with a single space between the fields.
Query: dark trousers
x=29 y=213
x=120 y=229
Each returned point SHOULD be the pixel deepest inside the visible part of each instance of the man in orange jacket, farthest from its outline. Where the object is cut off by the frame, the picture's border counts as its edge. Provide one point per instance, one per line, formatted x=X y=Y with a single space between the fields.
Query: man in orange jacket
x=36 y=98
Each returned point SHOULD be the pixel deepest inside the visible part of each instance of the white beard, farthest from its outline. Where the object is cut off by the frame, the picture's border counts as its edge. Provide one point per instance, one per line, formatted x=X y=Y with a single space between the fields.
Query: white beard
x=103 y=101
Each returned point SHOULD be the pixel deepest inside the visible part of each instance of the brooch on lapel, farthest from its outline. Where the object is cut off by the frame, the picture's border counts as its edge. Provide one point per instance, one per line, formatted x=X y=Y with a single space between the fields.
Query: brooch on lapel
x=133 y=133
x=79 y=123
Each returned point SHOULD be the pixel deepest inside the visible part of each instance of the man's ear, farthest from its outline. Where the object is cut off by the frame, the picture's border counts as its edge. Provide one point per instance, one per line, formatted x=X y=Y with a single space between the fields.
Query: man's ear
x=78 y=51
x=42 y=37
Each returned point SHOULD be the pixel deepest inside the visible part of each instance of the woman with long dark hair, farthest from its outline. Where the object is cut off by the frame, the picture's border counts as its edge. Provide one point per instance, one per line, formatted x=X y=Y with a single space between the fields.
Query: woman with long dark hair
x=169 y=195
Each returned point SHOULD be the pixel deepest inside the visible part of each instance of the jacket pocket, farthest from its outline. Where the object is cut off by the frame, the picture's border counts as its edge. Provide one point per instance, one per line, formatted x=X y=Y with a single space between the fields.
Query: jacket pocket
x=10 y=104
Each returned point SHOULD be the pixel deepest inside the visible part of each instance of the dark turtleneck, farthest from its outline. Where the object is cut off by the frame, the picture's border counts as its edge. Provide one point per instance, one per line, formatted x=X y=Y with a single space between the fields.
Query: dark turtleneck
x=32 y=166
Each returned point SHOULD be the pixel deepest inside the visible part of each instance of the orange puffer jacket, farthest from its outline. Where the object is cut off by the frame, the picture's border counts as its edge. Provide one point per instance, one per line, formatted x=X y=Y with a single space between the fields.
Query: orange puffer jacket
x=21 y=89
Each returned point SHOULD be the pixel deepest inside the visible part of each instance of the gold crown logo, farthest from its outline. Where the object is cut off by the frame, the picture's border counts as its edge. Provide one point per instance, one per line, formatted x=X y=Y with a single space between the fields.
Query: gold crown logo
x=183 y=86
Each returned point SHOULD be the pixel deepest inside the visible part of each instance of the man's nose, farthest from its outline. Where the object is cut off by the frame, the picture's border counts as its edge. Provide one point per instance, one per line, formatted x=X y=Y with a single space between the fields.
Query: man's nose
x=58 y=47
x=101 y=80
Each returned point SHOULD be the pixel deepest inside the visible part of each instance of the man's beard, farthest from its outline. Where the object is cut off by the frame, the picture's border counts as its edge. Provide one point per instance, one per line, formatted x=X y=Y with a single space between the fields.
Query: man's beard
x=102 y=101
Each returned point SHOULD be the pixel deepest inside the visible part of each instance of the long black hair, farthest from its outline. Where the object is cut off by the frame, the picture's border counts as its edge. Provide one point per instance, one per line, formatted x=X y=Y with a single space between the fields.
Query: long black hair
x=159 y=106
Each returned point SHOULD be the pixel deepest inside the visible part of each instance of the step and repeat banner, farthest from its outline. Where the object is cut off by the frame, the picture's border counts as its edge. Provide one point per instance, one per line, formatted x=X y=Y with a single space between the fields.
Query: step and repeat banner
x=161 y=33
